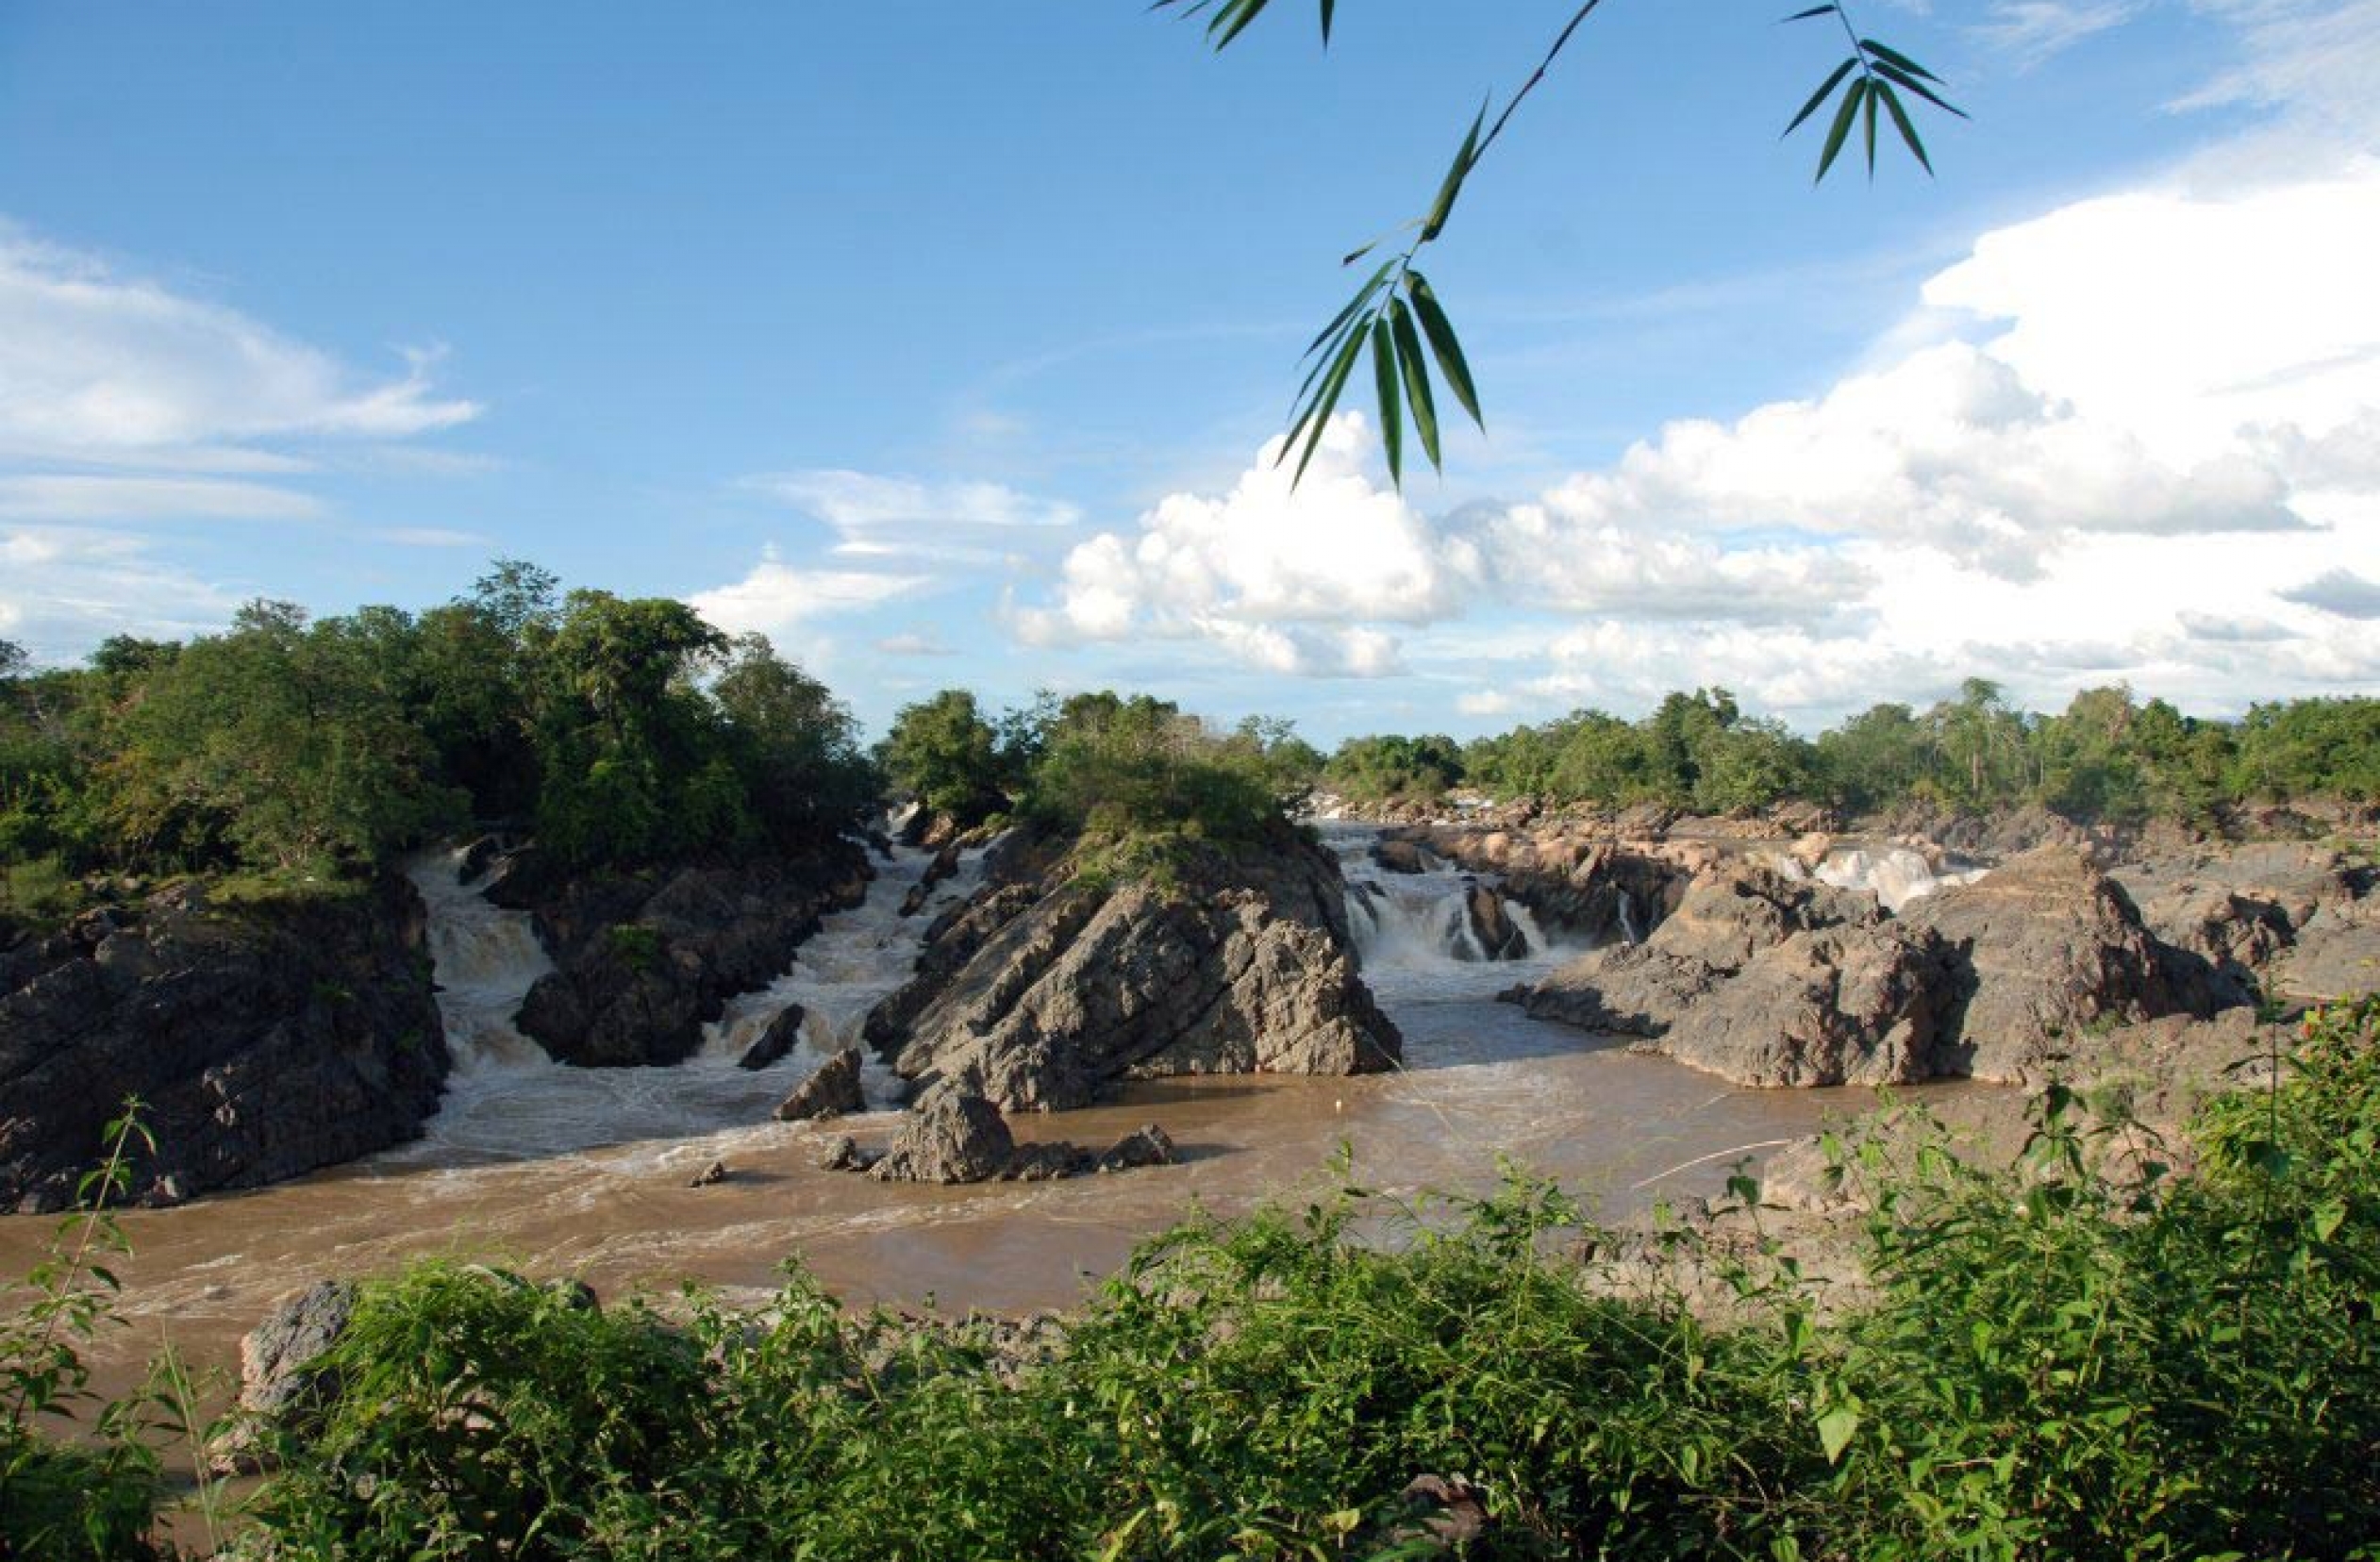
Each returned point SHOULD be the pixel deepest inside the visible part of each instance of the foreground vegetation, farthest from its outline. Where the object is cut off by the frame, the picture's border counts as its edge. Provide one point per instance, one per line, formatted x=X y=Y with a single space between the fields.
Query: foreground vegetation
x=2079 y=1356
x=2106 y=757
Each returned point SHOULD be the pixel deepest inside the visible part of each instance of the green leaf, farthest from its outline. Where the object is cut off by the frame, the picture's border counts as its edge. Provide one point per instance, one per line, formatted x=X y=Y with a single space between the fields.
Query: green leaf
x=1894 y=57
x=2328 y=1217
x=1842 y=127
x=1872 y=132
x=1894 y=73
x=1826 y=89
x=1416 y=380
x=1384 y=378
x=1349 y=312
x=1836 y=1429
x=1325 y=400
x=1900 y=120
x=1805 y=15
x=1443 y=345
x=1328 y=6
x=1443 y=206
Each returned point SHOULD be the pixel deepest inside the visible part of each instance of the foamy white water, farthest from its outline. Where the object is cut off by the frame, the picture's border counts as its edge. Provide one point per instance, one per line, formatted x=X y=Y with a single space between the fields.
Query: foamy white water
x=506 y=1099
x=1895 y=875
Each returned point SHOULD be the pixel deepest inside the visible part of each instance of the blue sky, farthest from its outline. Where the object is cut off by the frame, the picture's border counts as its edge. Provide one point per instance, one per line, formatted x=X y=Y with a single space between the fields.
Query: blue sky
x=939 y=342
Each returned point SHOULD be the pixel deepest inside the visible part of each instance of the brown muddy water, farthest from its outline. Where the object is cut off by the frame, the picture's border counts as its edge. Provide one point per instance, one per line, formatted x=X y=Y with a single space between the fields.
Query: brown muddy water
x=562 y=1172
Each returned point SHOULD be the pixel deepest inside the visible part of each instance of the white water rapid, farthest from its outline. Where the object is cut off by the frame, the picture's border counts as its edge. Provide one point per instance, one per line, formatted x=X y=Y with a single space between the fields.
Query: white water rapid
x=506 y=1099
x=1894 y=875
x=1413 y=931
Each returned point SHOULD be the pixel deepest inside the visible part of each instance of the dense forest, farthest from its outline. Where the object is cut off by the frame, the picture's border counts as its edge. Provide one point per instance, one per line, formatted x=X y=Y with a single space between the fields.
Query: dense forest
x=290 y=752
x=2107 y=756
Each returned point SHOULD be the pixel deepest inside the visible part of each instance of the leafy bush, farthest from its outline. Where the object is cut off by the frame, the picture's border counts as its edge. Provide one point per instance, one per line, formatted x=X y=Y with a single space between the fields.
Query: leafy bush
x=2077 y=1357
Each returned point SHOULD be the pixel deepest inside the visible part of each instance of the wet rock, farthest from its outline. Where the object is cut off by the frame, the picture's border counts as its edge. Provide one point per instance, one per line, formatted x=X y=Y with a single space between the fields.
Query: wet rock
x=1398 y=854
x=844 y=1155
x=943 y=868
x=1038 y=995
x=267 y=1041
x=2044 y=952
x=950 y=1138
x=1048 y=1162
x=777 y=1042
x=833 y=1091
x=710 y=1176
x=1147 y=1145
x=1495 y=936
x=282 y=1377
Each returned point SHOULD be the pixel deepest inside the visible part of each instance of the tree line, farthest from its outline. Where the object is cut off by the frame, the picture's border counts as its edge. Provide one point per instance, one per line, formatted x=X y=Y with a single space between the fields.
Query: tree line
x=307 y=750
x=2108 y=756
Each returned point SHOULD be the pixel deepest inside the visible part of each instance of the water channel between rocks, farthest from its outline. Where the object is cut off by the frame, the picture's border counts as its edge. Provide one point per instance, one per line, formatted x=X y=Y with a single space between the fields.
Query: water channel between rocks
x=565 y=1171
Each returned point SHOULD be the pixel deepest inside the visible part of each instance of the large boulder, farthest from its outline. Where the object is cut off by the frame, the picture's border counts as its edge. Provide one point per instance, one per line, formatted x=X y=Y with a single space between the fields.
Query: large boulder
x=1854 y=1004
x=283 y=1378
x=1492 y=935
x=265 y=1039
x=951 y=1137
x=833 y=1091
x=1039 y=994
x=2044 y=952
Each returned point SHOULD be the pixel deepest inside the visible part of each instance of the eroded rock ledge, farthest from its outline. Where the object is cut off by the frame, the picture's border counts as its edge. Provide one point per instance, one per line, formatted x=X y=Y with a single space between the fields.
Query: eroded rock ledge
x=1049 y=985
x=266 y=1040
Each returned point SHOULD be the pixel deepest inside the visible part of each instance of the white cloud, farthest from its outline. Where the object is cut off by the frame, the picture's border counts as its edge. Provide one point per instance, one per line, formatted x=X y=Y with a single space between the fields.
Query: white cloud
x=918 y=521
x=432 y=537
x=776 y=599
x=913 y=645
x=85 y=496
x=2340 y=591
x=1485 y=701
x=2311 y=62
x=63 y=589
x=2033 y=31
x=93 y=363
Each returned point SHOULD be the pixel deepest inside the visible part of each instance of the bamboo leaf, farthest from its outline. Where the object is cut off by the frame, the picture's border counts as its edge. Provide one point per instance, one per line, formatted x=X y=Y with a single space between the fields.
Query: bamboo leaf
x=1894 y=73
x=1325 y=401
x=1443 y=206
x=1328 y=6
x=1826 y=89
x=1349 y=312
x=1894 y=57
x=1842 y=127
x=1908 y=131
x=1384 y=379
x=1805 y=15
x=1872 y=131
x=1444 y=345
x=1416 y=380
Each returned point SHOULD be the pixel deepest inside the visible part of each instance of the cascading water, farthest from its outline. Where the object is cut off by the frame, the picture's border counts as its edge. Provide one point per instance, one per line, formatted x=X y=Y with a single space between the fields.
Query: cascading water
x=1894 y=875
x=1416 y=933
x=506 y=1099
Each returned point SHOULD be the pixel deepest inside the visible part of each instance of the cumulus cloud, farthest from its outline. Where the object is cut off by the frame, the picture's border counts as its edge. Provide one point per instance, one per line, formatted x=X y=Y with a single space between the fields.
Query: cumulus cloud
x=777 y=599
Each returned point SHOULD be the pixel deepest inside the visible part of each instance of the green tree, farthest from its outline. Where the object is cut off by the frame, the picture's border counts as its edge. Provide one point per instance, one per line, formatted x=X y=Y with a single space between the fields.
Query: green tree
x=943 y=754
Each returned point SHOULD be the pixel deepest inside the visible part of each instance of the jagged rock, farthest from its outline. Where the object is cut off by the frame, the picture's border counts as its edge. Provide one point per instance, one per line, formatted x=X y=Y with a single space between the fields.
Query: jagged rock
x=844 y=1155
x=950 y=1138
x=1147 y=1145
x=281 y=1375
x=643 y=960
x=710 y=1176
x=1495 y=936
x=1398 y=854
x=2336 y=954
x=1854 y=1004
x=2043 y=951
x=777 y=1042
x=1726 y=918
x=832 y=1092
x=944 y=867
x=1040 y=994
x=266 y=1040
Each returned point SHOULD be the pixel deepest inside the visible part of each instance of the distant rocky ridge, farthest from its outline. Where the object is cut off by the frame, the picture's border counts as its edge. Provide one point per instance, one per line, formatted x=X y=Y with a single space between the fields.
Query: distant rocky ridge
x=1048 y=985
x=264 y=1040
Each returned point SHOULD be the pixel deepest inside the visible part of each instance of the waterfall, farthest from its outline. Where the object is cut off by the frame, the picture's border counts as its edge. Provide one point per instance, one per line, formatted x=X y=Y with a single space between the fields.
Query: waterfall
x=1629 y=932
x=506 y=1099
x=1894 y=875
x=1416 y=932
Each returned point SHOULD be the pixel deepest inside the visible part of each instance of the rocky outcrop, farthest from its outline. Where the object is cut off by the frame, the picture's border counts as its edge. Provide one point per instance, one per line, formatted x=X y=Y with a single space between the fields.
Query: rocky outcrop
x=1720 y=924
x=777 y=1042
x=2043 y=951
x=282 y=1375
x=833 y=1091
x=1492 y=933
x=1045 y=990
x=2242 y=913
x=956 y=1138
x=265 y=1041
x=1854 y=1004
x=644 y=960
